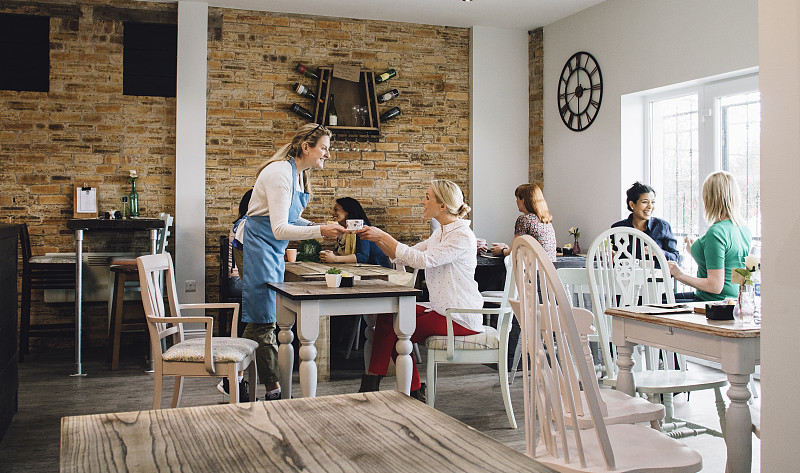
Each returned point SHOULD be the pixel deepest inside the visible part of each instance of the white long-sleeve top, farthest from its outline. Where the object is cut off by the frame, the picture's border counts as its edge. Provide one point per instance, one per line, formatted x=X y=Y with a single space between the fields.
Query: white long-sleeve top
x=449 y=258
x=272 y=195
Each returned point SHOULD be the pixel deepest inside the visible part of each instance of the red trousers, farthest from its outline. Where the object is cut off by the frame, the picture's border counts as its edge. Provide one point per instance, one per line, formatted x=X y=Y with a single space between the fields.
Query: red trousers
x=384 y=341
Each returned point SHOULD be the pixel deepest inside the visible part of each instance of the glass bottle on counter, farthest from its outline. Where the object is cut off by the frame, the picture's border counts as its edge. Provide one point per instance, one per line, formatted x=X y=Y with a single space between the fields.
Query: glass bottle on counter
x=389 y=114
x=301 y=111
x=305 y=91
x=388 y=96
x=385 y=76
x=333 y=118
x=306 y=72
x=133 y=199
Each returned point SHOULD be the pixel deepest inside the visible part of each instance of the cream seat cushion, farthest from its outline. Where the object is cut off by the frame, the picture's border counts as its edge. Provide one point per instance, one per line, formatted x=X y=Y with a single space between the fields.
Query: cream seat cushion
x=489 y=339
x=224 y=349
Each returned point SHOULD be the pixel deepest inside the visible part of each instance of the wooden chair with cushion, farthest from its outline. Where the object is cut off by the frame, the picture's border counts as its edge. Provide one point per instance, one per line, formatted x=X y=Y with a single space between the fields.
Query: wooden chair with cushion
x=42 y=272
x=126 y=274
x=625 y=267
x=557 y=379
x=491 y=346
x=196 y=357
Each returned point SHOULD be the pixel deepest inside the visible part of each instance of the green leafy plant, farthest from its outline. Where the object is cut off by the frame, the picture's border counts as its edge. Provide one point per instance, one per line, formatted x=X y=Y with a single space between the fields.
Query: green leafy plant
x=334 y=271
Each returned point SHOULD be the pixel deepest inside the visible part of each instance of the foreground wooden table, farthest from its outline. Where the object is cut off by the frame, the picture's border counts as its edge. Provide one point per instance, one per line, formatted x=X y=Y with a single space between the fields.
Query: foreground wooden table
x=309 y=302
x=382 y=431
x=735 y=345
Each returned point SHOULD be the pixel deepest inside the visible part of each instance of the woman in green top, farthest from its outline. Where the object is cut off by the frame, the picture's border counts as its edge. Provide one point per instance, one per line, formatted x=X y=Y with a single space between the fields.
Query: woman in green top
x=722 y=248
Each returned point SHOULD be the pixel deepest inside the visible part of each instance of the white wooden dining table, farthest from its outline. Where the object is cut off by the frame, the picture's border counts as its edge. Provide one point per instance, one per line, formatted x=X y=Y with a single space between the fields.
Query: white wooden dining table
x=735 y=345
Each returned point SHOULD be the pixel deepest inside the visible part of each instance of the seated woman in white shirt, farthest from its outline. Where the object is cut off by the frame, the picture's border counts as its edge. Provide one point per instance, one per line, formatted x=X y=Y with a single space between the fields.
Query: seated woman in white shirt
x=449 y=259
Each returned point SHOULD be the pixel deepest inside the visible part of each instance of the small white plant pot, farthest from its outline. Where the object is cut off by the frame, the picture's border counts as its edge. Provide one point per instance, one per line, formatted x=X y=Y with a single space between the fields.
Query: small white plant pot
x=333 y=280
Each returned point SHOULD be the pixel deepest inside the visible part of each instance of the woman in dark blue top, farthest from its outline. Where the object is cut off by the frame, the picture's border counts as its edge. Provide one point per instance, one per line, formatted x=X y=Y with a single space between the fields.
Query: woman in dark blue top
x=641 y=200
x=350 y=248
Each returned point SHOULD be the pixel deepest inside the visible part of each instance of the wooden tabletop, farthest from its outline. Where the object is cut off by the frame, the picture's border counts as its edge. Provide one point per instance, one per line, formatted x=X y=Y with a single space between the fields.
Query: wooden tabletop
x=361 y=289
x=116 y=224
x=690 y=321
x=382 y=431
x=310 y=271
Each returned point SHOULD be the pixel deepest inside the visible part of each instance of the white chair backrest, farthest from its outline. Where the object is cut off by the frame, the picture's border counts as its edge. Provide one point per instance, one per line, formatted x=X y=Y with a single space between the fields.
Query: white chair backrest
x=552 y=384
x=163 y=234
x=152 y=269
x=625 y=267
x=509 y=288
x=576 y=283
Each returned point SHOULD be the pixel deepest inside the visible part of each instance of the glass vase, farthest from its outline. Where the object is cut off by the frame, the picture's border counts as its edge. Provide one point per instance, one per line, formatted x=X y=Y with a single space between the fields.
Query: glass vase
x=576 y=247
x=745 y=305
x=133 y=200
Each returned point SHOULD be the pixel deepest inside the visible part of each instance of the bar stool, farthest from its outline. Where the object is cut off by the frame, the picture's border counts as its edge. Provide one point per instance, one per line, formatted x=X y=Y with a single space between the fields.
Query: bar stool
x=123 y=271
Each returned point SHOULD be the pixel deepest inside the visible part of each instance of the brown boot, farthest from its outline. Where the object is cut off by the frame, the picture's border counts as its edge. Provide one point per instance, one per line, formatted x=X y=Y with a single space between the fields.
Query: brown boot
x=420 y=394
x=370 y=383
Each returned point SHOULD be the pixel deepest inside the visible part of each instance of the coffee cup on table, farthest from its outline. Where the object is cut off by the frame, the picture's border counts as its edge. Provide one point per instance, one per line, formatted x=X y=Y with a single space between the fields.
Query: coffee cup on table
x=355 y=224
x=291 y=255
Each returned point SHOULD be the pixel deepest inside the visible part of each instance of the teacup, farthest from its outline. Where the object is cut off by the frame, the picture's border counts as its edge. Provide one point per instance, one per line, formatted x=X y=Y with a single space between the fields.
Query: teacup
x=355 y=224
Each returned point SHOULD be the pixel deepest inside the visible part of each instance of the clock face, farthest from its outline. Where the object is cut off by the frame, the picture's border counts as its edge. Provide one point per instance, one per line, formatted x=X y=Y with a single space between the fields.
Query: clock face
x=580 y=91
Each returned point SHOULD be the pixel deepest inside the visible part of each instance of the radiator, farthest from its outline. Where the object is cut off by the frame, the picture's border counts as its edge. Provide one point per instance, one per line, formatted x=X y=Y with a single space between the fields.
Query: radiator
x=98 y=280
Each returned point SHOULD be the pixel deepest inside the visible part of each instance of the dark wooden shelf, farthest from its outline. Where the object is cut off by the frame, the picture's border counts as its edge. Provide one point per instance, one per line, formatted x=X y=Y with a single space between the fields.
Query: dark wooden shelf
x=348 y=94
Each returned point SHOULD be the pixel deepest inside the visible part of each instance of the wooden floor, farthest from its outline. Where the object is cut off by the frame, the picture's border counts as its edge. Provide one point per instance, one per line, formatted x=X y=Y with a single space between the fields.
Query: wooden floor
x=470 y=393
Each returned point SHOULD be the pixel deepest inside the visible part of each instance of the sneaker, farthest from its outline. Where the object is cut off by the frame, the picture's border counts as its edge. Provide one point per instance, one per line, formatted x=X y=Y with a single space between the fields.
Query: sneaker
x=273 y=395
x=244 y=393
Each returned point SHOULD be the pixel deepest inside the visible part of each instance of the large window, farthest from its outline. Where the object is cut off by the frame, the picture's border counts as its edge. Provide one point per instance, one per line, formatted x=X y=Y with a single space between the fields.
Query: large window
x=695 y=131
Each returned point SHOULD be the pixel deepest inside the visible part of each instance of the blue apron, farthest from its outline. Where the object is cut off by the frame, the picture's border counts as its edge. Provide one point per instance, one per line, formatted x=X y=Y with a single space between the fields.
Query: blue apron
x=263 y=259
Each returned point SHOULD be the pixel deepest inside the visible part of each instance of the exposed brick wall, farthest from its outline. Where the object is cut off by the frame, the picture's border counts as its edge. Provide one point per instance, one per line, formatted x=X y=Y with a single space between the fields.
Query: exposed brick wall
x=85 y=130
x=536 y=94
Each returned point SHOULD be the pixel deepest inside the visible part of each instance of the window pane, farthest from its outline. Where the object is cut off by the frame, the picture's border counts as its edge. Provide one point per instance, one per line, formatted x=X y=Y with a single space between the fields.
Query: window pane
x=674 y=159
x=741 y=156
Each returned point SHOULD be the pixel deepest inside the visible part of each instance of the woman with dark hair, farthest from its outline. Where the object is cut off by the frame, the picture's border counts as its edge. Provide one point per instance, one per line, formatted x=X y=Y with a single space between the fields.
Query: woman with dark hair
x=641 y=201
x=349 y=247
x=535 y=221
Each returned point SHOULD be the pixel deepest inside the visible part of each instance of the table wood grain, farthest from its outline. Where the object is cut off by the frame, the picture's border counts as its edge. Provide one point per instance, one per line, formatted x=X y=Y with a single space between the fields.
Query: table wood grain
x=311 y=271
x=382 y=431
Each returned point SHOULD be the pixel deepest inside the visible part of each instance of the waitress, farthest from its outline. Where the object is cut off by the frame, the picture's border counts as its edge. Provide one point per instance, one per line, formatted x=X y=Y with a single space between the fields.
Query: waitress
x=279 y=196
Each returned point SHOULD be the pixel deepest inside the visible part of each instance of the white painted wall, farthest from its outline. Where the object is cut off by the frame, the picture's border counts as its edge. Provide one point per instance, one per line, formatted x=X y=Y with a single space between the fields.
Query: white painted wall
x=779 y=63
x=499 y=129
x=640 y=45
x=190 y=148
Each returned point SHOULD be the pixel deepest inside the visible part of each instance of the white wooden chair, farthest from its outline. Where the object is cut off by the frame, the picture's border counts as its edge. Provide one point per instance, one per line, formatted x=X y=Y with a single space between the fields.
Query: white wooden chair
x=491 y=346
x=625 y=267
x=552 y=386
x=197 y=357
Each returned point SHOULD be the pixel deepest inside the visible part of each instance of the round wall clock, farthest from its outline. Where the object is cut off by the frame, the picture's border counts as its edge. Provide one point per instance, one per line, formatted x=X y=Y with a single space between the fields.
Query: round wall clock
x=580 y=91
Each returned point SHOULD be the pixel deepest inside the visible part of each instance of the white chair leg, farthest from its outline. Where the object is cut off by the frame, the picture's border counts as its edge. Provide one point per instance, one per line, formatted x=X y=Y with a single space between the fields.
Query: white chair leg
x=233 y=387
x=430 y=375
x=157 y=383
x=515 y=362
x=177 y=391
x=417 y=356
x=720 y=402
x=502 y=368
x=753 y=390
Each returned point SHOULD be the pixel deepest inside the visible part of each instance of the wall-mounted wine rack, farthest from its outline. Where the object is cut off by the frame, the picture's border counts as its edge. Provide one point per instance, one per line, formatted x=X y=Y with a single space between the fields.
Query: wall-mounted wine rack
x=356 y=103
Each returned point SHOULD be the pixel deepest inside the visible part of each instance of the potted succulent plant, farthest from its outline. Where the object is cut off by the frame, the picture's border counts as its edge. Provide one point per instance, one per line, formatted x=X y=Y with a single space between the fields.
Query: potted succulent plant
x=333 y=277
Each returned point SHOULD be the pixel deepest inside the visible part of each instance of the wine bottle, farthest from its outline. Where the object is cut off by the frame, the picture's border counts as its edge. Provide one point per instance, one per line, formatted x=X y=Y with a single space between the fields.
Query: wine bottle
x=333 y=118
x=385 y=76
x=305 y=92
x=388 y=96
x=306 y=72
x=389 y=114
x=301 y=111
